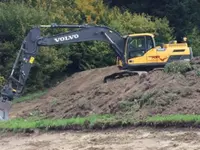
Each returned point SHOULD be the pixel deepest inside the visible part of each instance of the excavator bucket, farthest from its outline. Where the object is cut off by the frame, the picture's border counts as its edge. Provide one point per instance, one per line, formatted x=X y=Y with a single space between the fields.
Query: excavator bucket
x=4 y=110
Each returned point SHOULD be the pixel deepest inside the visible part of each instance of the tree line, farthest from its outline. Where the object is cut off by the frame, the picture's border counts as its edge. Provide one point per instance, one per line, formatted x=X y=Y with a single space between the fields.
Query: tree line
x=183 y=16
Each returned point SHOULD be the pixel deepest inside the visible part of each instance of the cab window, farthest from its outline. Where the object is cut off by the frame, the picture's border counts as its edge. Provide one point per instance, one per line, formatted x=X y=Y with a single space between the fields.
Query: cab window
x=136 y=43
x=149 y=43
x=137 y=46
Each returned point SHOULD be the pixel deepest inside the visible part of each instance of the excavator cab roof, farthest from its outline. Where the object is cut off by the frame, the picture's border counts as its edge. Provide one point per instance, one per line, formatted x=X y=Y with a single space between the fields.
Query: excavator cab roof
x=139 y=34
x=142 y=34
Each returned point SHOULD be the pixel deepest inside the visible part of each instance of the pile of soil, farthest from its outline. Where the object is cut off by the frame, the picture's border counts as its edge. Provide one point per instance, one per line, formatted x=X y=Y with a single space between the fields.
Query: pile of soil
x=85 y=93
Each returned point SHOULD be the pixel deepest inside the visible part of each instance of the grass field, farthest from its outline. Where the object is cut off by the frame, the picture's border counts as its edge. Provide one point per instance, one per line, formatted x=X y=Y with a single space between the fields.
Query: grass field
x=49 y=124
x=175 y=118
x=95 y=122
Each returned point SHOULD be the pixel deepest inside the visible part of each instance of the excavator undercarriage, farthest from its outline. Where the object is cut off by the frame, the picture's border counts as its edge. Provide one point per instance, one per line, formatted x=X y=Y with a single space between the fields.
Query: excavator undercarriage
x=122 y=74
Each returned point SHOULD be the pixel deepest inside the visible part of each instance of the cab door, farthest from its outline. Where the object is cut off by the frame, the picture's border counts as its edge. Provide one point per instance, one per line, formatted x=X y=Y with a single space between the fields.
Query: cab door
x=151 y=52
x=136 y=48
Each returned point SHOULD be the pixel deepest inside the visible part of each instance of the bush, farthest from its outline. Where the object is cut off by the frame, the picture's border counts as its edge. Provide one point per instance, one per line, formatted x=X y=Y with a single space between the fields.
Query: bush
x=194 y=41
x=2 y=81
x=178 y=67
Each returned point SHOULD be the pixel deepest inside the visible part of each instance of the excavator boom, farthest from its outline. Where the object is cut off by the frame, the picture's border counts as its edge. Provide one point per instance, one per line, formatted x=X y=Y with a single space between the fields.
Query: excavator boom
x=30 y=45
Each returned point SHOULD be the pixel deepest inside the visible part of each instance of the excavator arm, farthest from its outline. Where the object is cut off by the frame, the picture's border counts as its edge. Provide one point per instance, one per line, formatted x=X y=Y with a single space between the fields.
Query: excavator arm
x=33 y=40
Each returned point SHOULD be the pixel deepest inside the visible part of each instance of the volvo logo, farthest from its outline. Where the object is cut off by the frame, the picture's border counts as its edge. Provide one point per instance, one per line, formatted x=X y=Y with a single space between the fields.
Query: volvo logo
x=66 y=38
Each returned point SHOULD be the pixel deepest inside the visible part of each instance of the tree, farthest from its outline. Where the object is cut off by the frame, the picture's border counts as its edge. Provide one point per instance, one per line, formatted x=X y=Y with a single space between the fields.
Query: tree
x=183 y=15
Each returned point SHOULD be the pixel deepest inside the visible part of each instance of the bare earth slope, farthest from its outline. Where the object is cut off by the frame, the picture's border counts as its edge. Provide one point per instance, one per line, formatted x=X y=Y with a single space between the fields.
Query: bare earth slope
x=85 y=93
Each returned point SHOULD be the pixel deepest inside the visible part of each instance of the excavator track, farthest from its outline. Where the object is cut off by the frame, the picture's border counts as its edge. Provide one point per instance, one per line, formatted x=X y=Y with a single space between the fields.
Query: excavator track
x=122 y=74
x=127 y=73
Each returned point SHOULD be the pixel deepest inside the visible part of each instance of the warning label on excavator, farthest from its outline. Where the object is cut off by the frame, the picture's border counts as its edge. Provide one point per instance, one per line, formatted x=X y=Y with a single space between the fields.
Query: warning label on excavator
x=31 y=60
x=157 y=57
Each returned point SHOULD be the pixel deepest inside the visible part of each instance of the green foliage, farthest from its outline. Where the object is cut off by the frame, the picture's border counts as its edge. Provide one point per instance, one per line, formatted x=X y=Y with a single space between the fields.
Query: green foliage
x=182 y=15
x=178 y=67
x=16 y=19
x=146 y=99
x=127 y=23
x=30 y=96
x=194 y=41
x=2 y=80
x=90 y=55
x=20 y=19
x=16 y=23
x=187 y=118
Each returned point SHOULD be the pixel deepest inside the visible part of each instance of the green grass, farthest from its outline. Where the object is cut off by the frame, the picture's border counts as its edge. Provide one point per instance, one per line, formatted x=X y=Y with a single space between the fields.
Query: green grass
x=174 y=118
x=178 y=67
x=23 y=124
x=95 y=122
x=29 y=97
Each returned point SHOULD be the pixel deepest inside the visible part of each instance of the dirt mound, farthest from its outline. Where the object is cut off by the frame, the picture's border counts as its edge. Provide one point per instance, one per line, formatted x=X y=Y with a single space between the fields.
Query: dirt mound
x=85 y=93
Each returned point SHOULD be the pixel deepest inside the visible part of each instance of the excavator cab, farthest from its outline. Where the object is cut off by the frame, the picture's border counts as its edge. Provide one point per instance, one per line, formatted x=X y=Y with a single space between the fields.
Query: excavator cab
x=141 y=52
x=138 y=45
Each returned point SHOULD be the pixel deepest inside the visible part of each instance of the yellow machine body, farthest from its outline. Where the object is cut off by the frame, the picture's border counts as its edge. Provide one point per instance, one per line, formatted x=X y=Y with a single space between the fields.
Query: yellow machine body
x=141 y=51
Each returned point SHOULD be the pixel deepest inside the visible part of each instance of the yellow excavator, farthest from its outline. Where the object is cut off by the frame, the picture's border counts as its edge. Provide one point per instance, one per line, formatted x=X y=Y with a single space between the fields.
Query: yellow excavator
x=142 y=55
x=135 y=52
